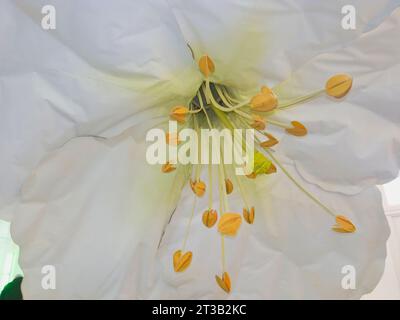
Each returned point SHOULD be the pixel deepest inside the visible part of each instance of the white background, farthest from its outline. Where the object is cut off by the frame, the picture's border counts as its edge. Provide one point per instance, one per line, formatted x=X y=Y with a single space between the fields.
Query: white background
x=389 y=286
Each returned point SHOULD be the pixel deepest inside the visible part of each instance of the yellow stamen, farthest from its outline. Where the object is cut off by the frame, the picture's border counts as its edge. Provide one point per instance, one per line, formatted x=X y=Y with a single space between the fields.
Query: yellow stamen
x=248 y=215
x=251 y=175
x=209 y=218
x=265 y=101
x=224 y=282
x=297 y=129
x=167 y=168
x=339 y=85
x=271 y=169
x=230 y=109
x=343 y=225
x=270 y=142
x=258 y=122
x=229 y=224
x=198 y=187
x=179 y=114
x=206 y=65
x=267 y=90
x=228 y=186
x=181 y=262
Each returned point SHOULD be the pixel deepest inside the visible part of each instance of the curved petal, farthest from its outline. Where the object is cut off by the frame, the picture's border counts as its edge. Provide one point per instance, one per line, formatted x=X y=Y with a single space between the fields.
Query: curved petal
x=256 y=41
x=96 y=74
x=98 y=224
x=290 y=252
x=353 y=143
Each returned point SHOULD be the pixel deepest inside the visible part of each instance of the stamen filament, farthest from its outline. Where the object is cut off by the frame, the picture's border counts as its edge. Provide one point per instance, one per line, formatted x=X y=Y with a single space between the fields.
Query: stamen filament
x=242 y=193
x=278 y=123
x=222 y=186
x=204 y=90
x=223 y=203
x=210 y=182
x=295 y=101
x=229 y=105
x=217 y=105
x=228 y=96
x=204 y=110
x=243 y=114
x=223 y=208
x=223 y=118
x=223 y=253
x=255 y=137
x=310 y=195
x=189 y=224
x=307 y=193
x=194 y=111
x=198 y=167
x=212 y=99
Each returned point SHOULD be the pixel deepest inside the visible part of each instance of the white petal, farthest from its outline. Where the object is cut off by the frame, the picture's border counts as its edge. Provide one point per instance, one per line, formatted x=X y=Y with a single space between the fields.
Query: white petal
x=290 y=252
x=353 y=142
x=121 y=38
x=100 y=225
x=95 y=211
x=254 y=41
x=97 y=73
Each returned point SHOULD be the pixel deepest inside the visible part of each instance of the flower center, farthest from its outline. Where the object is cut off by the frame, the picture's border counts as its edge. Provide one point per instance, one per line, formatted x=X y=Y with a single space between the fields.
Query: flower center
x=216 y=106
